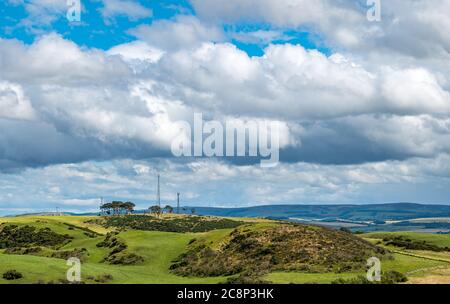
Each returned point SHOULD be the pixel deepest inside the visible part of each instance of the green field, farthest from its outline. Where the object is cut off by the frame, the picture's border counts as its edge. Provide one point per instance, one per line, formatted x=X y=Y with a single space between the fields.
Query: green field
x=416 y=264
x=420 y=266
x=159 y=249
x=401 y=263
x=442 y=240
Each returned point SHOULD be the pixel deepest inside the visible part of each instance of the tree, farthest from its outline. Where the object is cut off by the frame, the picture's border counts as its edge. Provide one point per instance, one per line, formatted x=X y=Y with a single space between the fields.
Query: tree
x=168 y=209
x=106 y=208
x=155 y=210
x=117 y=208
x=193 y=210
x=129 y=207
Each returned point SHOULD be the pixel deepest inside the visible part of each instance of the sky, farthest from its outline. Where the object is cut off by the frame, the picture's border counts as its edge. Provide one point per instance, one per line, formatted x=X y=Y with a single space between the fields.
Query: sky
x=89 y=108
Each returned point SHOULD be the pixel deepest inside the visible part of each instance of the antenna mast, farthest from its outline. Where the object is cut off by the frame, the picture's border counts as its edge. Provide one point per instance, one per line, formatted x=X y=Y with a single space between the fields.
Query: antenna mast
x=159 y=194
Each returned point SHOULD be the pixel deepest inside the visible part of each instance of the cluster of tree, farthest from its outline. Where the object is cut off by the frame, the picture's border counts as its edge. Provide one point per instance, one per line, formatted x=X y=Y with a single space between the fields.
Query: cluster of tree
x=117 y=208
x=157 y=210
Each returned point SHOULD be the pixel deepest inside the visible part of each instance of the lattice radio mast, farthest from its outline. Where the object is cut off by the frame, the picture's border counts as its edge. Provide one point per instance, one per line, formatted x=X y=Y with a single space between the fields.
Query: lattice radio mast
x=159 y=194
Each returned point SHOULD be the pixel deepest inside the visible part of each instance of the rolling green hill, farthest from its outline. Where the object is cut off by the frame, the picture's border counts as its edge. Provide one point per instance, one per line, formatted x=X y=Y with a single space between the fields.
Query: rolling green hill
x=261 y=250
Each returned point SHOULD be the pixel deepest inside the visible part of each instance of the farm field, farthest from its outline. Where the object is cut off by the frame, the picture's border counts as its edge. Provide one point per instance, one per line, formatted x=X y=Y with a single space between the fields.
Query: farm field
x=421 y=266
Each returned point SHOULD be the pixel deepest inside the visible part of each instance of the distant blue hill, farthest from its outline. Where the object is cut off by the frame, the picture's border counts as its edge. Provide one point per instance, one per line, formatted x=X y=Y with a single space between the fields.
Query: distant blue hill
x=378 y=212
x=381 y=212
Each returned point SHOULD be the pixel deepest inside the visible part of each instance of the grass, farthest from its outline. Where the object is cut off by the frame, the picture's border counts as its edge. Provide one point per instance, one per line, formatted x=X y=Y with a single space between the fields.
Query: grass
x=401 y=263
x=421 y=266
x=406 y=264
x=159 y=249
x=417 y=264
x=441 y=240
x=307 y=278
x=169 y=224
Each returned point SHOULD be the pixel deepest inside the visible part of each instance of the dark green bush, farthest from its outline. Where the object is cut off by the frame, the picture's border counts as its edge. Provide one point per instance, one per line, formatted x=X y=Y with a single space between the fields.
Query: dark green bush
x=117 y=255
x=286 y=247
x=124 y=259
x=392 y=277
x=246 y=279
x=29 y=236
x=12 y=275
x=359 y=280
x=181 y=224
x=104 y=278
x=403 y=242
x=389 y=277
x=76 y=253
x=88 y=232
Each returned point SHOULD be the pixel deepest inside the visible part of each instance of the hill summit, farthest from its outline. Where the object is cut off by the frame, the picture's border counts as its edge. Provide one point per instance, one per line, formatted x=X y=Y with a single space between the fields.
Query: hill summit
x=286 y=247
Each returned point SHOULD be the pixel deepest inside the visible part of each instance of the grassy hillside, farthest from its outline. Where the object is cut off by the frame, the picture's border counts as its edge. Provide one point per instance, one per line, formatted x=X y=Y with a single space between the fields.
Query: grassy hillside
x=157 y=248
x=276 y=247
x=160 y=250
x=422 y=266
x=441 y=240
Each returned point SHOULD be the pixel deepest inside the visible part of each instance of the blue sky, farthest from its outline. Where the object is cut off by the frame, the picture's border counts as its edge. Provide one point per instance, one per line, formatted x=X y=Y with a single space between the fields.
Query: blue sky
x=89 y=109
x=96 y=31
x=93 y=30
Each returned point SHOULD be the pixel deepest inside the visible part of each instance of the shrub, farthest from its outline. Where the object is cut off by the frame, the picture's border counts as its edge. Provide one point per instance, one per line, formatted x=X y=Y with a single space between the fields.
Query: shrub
x=88 y=232
x=23 y=251
x=124 y=259
x=14 y=250
x=12 y=275
x=117 y=255
x=392 y=277
x=28 y=236
x=104 y=278
x=76 y=253
x=359 y=280
x=32 y=250
x=345 y=229
x=403 y=242
x=246 y=279
x=181 y=225
x=109 y=241
x=287 y=247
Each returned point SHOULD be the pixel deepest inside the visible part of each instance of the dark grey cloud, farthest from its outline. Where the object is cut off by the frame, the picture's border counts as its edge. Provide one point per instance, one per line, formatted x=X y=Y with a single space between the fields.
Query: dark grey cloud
x=27 y=144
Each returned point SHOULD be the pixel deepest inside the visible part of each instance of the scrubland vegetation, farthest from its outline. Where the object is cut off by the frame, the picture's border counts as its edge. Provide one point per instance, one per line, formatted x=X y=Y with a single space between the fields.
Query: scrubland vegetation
x=191 y=249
